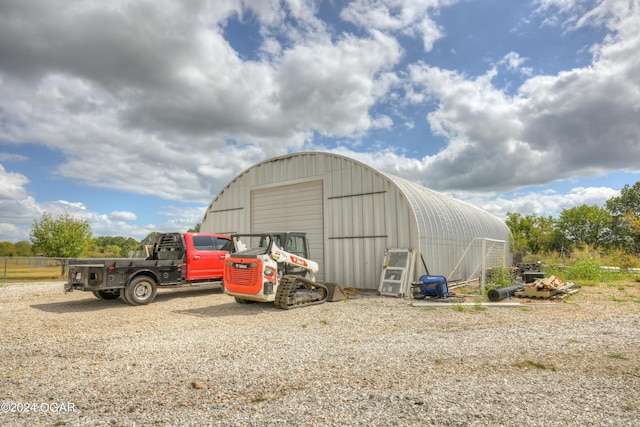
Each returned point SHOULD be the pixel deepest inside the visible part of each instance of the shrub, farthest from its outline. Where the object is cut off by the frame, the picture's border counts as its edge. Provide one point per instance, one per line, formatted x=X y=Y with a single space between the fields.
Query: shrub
x=583 y=269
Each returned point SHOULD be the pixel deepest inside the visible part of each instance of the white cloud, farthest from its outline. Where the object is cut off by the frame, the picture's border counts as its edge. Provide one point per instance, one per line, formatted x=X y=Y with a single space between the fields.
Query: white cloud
x=410 y=17
x=549 y=203
x=12 y=185
x=122 y=216
x=79 y=206
x=11 y=157
x=17 y=207
x=513 y=61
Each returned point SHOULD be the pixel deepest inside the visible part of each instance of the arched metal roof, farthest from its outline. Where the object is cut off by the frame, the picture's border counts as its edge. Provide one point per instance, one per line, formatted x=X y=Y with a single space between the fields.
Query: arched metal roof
x=441 y=217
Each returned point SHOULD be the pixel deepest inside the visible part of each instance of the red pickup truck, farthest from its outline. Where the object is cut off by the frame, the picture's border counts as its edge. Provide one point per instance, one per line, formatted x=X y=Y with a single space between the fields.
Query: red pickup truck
x=176 y=259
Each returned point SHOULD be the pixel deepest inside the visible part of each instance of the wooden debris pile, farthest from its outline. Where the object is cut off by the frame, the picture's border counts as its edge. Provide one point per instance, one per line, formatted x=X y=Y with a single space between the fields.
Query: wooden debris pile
x=549 y=287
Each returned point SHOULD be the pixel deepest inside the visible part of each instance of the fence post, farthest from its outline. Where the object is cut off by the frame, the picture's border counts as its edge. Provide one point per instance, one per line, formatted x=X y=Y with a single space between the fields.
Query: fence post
x=4 y=282
x=483 y=273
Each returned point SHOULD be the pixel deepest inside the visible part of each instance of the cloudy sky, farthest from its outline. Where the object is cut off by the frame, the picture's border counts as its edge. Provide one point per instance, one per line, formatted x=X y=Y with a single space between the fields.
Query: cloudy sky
x=135 y=114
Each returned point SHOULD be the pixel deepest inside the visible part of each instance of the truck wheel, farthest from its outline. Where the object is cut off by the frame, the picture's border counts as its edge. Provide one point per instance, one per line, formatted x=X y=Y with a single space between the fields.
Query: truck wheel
x=141 y=291
x=123 y=296
x=110 y=294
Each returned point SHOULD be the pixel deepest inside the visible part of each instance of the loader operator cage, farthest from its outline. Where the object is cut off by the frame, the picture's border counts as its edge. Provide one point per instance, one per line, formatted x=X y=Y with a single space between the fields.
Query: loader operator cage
x=255 y=244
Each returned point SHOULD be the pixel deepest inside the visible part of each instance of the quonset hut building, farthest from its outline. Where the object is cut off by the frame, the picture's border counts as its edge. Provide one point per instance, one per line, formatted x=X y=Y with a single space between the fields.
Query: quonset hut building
x=353 y=214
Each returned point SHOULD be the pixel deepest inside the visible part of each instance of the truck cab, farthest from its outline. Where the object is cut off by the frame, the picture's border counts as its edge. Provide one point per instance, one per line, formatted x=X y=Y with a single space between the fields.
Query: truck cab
x=205 y=256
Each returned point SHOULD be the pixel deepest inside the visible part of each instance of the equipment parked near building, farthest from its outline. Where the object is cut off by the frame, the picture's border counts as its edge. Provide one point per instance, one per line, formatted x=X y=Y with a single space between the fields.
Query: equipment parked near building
x=177 y=259
x=274 y=267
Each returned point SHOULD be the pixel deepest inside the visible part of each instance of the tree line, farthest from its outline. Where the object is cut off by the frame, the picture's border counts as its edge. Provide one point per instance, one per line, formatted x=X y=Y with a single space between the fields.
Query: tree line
x=616 y=226
x=69 y=237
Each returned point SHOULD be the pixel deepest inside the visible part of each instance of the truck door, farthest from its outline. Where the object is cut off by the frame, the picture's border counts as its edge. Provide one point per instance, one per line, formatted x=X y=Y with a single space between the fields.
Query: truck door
x=205 y=258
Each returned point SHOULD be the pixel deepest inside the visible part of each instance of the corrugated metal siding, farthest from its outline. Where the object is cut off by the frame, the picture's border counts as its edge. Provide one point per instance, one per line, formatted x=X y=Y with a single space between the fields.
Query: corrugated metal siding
x=364 y=215
x=295 y=207
x=365 y=212
x=446 y=228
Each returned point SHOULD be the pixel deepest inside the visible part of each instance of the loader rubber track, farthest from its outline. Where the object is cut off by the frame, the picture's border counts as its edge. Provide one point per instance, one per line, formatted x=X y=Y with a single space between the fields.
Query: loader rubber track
x=296 y=291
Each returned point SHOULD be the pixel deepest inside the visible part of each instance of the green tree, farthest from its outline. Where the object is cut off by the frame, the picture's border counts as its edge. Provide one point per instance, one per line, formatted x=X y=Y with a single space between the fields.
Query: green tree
x=7 y=249
x=196 y=229
x=24 y=248
x=587 y=225
x=20 y=248
x=62 y=237
x=541 y=238
x=625 y=210
x=117 y=246
x=520 y=228
x=128 y=246
x=532 y=233
x=113 y=250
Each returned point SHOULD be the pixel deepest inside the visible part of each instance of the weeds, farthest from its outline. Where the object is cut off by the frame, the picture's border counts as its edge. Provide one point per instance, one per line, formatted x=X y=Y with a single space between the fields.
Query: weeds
x=628 y=407
x=458 y=307
x=477 y=306
x=617 y=356
x=503 y=278
x=533 y=364
x=584 y=269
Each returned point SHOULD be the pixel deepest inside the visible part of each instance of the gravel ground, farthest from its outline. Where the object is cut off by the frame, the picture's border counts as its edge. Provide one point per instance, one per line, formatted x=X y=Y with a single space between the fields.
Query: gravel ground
x=194 y=357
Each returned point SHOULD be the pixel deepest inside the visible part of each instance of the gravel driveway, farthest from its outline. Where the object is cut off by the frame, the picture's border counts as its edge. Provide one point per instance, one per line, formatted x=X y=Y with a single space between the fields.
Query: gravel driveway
x=194 y=357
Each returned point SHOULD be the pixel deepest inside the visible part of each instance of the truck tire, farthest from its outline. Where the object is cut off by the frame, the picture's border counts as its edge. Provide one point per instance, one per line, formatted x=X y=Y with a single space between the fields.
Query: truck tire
x=141 y=291
x=123 y=296
x=110 y=294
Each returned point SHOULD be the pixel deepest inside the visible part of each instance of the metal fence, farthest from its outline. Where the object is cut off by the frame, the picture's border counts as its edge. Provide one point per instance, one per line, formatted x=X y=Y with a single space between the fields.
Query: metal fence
x=31 y=269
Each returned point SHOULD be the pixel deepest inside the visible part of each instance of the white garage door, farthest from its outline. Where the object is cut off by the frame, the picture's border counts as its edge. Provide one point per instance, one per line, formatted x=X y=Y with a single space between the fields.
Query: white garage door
x=295 y=207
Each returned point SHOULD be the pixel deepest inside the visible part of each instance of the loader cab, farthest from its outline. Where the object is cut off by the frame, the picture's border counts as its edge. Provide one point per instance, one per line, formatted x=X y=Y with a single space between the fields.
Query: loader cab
x=294 y=242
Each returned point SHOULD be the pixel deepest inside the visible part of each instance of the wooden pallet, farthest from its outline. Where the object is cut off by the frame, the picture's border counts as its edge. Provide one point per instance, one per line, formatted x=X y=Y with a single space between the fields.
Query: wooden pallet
x=536 y=293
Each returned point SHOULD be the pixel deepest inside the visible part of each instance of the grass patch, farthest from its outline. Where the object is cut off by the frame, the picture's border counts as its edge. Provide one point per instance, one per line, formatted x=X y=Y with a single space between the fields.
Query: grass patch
x=24 y=269
x=617 y=299
x=617 y=356
x=534 y=364
x=21 y=275
x=477 y=306
x=457 y=307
